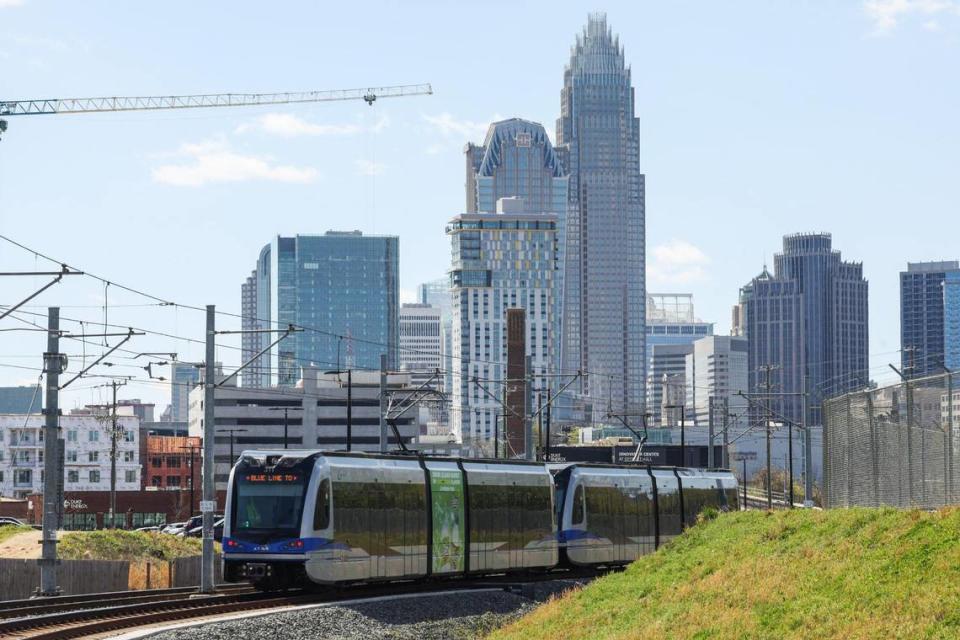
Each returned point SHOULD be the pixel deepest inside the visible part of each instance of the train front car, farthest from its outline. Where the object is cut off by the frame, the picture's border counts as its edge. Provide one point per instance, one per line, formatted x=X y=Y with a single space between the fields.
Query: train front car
x=263 y=532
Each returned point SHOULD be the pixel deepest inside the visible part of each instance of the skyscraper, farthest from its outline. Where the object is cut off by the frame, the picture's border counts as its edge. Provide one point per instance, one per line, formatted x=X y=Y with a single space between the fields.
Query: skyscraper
x=951 y=322
x=922 y=317
x=183 y=377
x=807 y=319
x=504 y=260
x=421 y=343
x=604 y=274
x=671 y=321
x=341 y=286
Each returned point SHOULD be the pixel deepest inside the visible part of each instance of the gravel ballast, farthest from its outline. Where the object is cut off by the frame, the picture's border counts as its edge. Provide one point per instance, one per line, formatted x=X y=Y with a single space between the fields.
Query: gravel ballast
x=458 y=616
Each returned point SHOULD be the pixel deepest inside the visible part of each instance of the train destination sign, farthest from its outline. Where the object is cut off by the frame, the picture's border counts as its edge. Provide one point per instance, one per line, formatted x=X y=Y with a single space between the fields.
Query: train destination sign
x=263 y=478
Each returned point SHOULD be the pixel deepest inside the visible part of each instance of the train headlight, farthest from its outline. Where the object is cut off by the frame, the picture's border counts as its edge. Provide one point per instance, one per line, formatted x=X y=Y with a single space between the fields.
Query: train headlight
x=294 y=545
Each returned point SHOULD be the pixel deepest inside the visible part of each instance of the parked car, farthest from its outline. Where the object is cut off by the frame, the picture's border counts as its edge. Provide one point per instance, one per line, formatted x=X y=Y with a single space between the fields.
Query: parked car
x=12 y=521
x=197 y=532
x=180 y=528
x=154 y=529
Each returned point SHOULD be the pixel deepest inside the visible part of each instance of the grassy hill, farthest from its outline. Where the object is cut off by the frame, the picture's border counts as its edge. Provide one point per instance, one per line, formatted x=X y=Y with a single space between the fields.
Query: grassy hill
x=126 y=545
x=852 y=573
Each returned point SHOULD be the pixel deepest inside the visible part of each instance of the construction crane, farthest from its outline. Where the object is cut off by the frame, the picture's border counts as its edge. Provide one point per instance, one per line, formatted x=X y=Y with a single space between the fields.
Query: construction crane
x=11 y=108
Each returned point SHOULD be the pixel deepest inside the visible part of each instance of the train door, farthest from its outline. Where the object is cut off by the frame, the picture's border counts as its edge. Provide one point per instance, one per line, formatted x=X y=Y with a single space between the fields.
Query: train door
x=448 y=524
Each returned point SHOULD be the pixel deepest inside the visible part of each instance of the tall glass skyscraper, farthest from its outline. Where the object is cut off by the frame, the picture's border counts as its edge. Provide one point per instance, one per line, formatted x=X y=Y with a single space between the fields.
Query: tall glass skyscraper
x=923 y=315
x=808 y=323
x=951 y=320
x=342 y=285
x=604 y=278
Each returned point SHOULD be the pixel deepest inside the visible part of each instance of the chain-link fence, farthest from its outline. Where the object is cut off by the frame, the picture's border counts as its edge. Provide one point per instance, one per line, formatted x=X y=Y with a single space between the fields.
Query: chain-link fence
x=893 y=446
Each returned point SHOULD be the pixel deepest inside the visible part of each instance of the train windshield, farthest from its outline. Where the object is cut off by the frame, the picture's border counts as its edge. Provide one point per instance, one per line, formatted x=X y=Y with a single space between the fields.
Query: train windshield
x=268 y=502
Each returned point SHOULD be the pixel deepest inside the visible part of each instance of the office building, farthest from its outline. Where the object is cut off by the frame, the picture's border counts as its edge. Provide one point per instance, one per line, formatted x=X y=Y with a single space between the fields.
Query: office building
x=311 y=415
x=806 y=326
x=716 y=373
x=951 y=320
x=421 y=343
x=341 y=286
x=922 y=317
x=504 y=260
x=666 y=392
x=604 y=276
x=25 y=399
x=671 y=321
x=183 y=377
x=86 y=454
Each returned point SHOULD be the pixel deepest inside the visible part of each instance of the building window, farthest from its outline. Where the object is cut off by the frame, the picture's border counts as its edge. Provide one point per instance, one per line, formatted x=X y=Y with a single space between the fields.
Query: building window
x=94 y=475
x=93 y=435
x=72 y=435
x=173 y=462
x=128 y=456
x=130 y=475
x=156 y=462
x=156 y=481
x=173 y=481
x=128 y=435
x=22 y=477
x=72 y=455
x=93 y=456
x=73 y=476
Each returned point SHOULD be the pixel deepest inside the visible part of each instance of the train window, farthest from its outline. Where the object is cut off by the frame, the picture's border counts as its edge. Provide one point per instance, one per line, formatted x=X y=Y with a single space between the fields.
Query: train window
x=321 y=516
x=578 y=505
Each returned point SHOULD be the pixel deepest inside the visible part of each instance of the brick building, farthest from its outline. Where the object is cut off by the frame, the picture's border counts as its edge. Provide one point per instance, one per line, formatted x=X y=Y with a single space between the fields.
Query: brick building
x=167 y=462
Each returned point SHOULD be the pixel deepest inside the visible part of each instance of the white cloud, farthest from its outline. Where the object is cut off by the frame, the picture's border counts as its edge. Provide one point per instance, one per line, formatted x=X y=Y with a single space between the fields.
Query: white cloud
x=887 y=14
x=464 y=130
x=290 y=126
x=677 y=262
x=213 y=162
x=10 y=3
x=369 y=168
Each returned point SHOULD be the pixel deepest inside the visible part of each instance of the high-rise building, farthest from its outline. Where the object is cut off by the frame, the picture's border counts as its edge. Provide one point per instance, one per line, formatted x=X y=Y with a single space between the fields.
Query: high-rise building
x=716 y=373
x=342 y=287
x=421 y=343
x=504 y=260
x=670 y=321
x=667 y=383
x=436 y=293
x=951 y=320
x=604 y=276
x=922 y=317
x=806 y=326
x=250 y=343
x=183 y=377
x=517 y=160
x=26 y=399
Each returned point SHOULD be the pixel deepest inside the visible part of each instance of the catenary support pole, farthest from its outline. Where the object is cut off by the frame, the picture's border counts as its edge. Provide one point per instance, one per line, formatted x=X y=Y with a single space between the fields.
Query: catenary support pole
x=529 y=447
x=790 y=461
x=349 y=409
x=744 y=484
x=53 y=363
x=113 y=456
x=725 y=454
x=713 y=413
x=807 y=450
x=383 y=403
x=208 y=505
x=549 y=407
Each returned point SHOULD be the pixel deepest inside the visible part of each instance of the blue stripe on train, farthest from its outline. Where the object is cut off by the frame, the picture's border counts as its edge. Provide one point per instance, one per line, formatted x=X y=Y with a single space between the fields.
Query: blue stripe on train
x=567 y=535
x=289 y=545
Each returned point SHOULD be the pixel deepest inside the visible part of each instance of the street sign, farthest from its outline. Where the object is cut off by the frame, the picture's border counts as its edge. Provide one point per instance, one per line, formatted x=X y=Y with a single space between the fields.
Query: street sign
x=208 y=505
x=740 y=456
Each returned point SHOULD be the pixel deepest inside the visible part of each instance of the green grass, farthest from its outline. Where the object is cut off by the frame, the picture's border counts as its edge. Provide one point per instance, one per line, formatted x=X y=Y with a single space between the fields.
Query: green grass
x=126 y=545
x=846 y=573
x=10 y=530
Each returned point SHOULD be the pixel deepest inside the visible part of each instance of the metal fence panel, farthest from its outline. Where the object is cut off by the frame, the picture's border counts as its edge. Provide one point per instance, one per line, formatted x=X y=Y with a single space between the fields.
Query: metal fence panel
x=893 y=446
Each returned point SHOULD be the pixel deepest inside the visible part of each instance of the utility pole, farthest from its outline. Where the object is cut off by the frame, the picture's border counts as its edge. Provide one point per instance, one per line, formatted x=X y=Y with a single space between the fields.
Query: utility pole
x=53 y=366
x=807 y=448
x=790 y=461
x=527 y=405
x=113 y=454
x=744 y=484
x=383 y=403
x=540 y=420
x=909 y=393
x=725 y=454
x=767 y=369
x=209 y=502
x=349 y=409
x=546 y=456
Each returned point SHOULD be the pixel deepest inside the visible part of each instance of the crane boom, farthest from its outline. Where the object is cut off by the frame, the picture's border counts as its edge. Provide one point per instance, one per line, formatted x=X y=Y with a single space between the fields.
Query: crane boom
x=149 y=103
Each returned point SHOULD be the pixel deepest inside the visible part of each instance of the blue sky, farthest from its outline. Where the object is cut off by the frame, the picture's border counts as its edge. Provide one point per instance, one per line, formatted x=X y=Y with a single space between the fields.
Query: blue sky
x=757 y=119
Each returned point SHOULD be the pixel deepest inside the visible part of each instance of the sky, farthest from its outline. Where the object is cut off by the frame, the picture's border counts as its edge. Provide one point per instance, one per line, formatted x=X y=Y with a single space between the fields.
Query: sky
x=757 y=119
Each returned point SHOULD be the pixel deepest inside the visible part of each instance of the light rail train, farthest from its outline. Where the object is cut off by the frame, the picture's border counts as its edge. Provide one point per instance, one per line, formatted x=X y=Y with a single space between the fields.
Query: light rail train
x=332 y=518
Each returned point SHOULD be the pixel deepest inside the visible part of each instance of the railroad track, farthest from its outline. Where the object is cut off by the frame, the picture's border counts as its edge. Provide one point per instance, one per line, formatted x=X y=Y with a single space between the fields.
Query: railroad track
x=82 y=619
